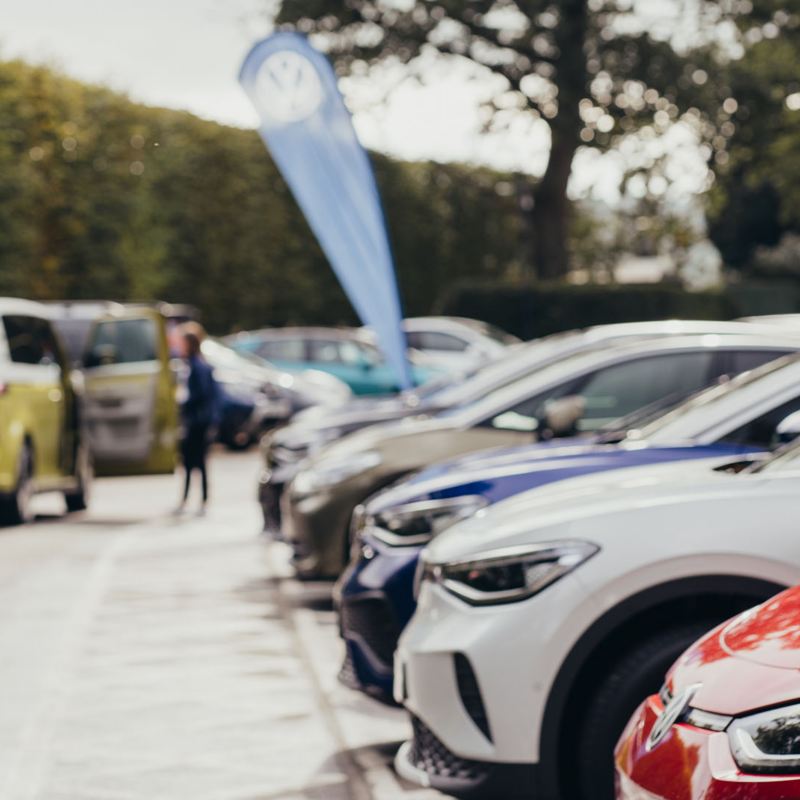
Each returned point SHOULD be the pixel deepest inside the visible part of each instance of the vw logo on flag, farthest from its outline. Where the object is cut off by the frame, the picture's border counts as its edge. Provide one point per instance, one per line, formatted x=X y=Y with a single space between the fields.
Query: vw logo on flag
x=289 y=87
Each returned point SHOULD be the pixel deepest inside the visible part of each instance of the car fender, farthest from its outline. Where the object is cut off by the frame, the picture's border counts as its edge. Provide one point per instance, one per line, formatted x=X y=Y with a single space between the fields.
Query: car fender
x=743 y=580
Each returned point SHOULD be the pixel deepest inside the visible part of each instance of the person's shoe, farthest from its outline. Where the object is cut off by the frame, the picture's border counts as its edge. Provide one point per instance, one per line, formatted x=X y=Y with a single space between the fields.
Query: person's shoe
x=179 y=510
x=201 y=512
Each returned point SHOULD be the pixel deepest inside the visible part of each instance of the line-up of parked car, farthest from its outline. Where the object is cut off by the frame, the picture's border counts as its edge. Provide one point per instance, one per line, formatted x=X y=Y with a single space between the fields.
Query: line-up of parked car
x=525 y=557
x=93 y=386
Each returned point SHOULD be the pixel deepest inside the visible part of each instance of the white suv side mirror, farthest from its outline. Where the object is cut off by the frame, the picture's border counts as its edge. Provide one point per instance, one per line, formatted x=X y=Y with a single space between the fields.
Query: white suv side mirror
x=788 y=428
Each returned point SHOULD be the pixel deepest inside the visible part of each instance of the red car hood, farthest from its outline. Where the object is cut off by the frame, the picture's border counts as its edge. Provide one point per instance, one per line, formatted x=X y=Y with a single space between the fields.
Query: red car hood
x=751 y=662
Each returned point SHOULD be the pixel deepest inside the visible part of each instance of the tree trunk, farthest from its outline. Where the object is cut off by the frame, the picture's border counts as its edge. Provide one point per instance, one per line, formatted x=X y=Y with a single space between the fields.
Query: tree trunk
x=551 y=211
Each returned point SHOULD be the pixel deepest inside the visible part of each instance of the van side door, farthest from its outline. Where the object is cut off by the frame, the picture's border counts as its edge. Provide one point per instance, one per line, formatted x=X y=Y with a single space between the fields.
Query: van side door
x=130 y=406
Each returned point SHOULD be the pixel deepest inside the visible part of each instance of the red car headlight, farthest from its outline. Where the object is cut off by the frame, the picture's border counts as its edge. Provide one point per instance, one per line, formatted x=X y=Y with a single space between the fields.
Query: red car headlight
x=768 y=742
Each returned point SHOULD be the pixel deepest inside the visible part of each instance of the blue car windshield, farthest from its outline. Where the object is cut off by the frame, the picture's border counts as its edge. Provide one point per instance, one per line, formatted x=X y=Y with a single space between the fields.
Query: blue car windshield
x=711 y=395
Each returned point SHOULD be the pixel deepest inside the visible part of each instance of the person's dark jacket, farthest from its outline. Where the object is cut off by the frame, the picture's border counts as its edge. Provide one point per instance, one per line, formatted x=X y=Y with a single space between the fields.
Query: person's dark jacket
x=202 y=404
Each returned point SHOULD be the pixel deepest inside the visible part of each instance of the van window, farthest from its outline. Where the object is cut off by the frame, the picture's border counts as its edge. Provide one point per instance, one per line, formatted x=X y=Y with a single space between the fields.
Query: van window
x=123 y=341
x=30 y=340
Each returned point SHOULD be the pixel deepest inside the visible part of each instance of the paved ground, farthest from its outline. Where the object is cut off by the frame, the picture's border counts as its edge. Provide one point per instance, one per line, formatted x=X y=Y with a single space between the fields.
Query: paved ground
x=149 y=657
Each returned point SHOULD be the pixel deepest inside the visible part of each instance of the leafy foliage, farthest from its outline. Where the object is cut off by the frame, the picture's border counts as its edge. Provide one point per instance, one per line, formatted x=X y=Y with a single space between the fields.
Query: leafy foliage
x=105 y=198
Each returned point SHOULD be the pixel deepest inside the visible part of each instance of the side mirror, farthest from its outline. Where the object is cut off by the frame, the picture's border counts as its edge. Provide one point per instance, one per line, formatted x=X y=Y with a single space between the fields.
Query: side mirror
x=788 y=428
x=561 y=416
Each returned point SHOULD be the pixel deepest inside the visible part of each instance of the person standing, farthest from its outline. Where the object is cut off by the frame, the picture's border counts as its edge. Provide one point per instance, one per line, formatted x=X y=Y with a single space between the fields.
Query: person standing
x=198 y=412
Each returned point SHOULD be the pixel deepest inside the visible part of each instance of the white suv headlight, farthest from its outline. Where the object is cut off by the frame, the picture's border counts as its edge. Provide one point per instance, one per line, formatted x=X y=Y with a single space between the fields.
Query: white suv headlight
x=329 y=472
x=417 y=523
x=510 y=574
x=768 y=741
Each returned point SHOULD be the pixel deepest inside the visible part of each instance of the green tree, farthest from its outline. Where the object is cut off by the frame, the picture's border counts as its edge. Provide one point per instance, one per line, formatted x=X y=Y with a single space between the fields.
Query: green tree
x=105 y=198
x=592 y=70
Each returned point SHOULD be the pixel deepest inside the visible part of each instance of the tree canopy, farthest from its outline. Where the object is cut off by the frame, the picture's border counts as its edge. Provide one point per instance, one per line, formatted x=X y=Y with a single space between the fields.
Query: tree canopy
x=590 y=71
x=105 y=198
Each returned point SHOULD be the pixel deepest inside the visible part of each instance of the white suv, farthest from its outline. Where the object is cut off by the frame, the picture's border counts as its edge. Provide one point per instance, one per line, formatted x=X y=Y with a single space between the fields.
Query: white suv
x=544 y=620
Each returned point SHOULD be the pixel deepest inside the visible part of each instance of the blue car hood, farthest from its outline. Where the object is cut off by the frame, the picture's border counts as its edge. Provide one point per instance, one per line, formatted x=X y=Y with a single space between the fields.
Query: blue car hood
x=497 y=474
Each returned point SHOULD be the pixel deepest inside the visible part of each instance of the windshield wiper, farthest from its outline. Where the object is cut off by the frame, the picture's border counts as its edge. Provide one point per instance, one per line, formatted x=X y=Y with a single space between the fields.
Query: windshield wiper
x=618 y=430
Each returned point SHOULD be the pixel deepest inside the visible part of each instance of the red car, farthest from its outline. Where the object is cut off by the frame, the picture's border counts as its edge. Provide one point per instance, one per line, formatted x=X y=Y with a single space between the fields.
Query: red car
x=726 y=725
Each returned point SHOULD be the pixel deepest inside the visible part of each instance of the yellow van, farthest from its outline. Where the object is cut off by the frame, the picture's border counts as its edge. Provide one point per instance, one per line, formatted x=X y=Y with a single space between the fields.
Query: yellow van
x=58 y=424
x=41 y=446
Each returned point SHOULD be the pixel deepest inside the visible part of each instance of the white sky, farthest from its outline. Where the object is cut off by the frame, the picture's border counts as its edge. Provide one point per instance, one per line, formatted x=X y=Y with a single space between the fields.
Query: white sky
x=186 y=54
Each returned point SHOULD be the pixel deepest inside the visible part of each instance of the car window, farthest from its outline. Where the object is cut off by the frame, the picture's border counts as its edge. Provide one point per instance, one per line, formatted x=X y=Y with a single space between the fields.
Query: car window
x=122 y=341
x=369 y=354
x=330 y=351
x=282 y=350
x=529 y=414
x=432 y=340
x=744 y=360
x=30 y=340
x=621 y=389
x=73 y=333
x=762 y=431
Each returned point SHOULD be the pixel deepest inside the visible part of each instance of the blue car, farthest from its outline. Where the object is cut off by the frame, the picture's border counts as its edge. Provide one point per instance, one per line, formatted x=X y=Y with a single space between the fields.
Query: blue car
x=375 y=597
x=348 y=355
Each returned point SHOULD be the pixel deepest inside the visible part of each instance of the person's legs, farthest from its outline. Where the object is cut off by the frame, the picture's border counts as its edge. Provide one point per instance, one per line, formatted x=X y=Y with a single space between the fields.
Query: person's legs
x=188 y=470
x=204 y=477
x=202 y=450
x=189 y=458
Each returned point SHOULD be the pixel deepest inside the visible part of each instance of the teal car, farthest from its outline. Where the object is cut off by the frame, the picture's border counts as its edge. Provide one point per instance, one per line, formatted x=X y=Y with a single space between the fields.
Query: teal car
x=345 y=353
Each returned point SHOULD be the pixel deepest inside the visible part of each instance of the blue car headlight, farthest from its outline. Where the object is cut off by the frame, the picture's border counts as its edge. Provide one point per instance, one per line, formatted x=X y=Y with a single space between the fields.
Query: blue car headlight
x=415 y=524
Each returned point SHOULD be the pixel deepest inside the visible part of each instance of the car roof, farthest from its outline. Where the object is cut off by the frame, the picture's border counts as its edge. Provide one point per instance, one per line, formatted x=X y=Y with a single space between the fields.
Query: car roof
x=17 y=305
x=304 y=332
x=686 y=326
x=443 y=323
x=82 y=309
x=582 y=361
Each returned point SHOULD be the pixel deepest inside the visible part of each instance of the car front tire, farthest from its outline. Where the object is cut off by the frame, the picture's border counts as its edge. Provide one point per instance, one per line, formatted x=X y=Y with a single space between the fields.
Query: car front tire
x=635 y=675
x=78 y=499
x=16 y=508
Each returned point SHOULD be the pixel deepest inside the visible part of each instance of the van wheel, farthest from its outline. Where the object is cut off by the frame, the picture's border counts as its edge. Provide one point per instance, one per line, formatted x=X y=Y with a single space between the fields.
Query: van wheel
x=635 y=676
x=78 y=499
x=17 y=508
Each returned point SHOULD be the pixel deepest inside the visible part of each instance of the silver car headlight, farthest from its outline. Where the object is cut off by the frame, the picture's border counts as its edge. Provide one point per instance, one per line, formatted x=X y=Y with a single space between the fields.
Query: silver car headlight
x=330 y=472
x=767 y=742
x=510 y=574
x=414 y=524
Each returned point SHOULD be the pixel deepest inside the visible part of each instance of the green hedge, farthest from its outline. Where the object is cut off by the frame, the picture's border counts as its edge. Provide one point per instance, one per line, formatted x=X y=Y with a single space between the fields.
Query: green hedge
x=532 y=310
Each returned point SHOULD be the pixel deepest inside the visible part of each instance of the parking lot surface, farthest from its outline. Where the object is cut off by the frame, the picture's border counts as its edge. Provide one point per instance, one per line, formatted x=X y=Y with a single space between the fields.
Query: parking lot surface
x=147 y=656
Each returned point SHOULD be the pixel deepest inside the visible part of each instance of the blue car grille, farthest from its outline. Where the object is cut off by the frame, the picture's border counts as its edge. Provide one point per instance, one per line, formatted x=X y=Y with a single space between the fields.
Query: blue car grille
x=371 y=621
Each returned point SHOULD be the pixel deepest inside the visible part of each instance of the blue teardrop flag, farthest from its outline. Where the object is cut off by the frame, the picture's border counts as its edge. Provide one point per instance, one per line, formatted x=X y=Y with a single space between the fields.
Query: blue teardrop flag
x=308 y=130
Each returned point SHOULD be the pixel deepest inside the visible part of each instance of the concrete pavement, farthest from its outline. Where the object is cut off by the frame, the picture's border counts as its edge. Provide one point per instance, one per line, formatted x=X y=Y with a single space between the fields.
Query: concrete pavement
x=145 y=656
